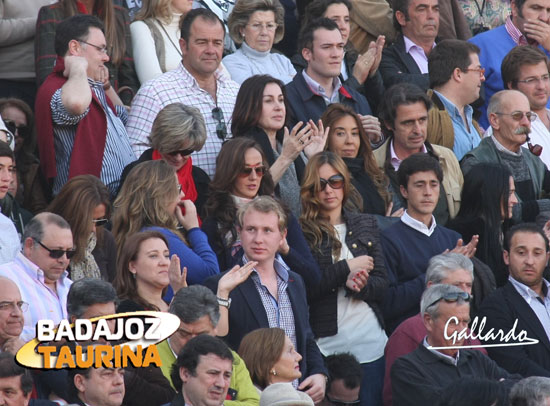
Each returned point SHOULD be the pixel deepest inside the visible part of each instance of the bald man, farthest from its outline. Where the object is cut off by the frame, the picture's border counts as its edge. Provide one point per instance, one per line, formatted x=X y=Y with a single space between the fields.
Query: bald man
x=510 y=116
x=11 y=316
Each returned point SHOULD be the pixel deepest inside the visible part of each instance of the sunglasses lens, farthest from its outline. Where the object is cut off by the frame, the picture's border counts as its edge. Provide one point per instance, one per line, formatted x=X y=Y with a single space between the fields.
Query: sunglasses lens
x=70 y=254
x=336 y=182
x=100 y=222
x=10 y=125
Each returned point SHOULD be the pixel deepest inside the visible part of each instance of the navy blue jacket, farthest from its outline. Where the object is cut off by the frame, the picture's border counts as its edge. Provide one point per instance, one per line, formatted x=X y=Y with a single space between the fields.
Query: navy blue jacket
x=305 y=105
x=502 y=309
x=247 y=313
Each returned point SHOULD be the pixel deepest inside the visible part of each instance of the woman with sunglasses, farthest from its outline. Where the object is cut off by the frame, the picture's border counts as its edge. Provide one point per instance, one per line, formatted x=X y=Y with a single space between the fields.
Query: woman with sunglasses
x=348 y=140
x=84 y=202
x=151 y=198
x=260 y=113
x=345 y=308
x=33 y=193
x=178 y=131
x=241 y=175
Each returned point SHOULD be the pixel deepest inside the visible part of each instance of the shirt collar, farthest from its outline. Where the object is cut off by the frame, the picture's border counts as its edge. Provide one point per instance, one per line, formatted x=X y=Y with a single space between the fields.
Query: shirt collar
x=418 y=225
x=502 y=148
x=526 y=292
x=280 y=267
x=409 y=44
x=35 y=271
x=514 y=32
x=220 y=75
x=448 y=359
x=318 y=89
x=395 y=160
x=451 y=108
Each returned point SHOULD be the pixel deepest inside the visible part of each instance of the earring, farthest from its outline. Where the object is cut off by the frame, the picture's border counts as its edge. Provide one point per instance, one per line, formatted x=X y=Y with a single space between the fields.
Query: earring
x=273 y=372
x=134 y=275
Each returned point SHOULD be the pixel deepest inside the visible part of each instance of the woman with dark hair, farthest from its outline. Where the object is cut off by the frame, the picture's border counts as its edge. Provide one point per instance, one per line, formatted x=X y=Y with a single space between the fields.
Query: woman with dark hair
x=488 y=197
x=84 y=202
x=260 y=113
x=242 y=173
x=348 y=140
x=345 y=308
x=19 y=119
x=151 y=199
x=117 y=34
x=270 y=357
x=144 y=271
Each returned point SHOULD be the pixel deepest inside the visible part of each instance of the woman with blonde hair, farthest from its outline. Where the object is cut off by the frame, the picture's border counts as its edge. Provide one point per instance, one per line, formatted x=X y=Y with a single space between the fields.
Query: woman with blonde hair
x=155 y=37
x=348 y=140
x=256 y=25
x=178 y=131
x=151 y=199
x=122 y=73
x=270 y=357
x=84 y=202
x=345 y=308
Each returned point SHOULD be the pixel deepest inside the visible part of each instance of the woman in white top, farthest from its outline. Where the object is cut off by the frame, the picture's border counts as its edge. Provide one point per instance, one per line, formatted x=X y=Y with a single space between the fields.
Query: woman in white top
x=155 y=37
x=256 y=25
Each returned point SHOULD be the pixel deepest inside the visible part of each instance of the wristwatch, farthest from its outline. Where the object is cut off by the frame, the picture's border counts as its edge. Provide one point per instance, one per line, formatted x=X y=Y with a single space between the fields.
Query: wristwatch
x=224 y=302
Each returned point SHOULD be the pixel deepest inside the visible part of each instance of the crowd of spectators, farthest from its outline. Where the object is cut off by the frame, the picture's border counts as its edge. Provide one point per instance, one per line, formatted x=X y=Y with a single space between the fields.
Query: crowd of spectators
x=336 y=198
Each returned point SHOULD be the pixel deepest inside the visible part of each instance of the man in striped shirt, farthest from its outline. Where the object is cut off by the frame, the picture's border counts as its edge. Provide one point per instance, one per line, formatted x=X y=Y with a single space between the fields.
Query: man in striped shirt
x=81 y=117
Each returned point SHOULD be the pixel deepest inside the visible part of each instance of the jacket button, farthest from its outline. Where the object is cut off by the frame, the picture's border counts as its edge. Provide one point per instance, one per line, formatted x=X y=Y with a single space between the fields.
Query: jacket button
x=353 y=245
x=334 y=290
x=369 y=244
x=350 y=232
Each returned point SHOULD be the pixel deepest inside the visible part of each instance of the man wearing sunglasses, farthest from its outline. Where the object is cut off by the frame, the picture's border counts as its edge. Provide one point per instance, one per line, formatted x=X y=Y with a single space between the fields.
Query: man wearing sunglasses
x=40 y=270
x=198 y=81
x=524 y=300
x=456 y=77
x=526 y=69
x=510 y=116
x=81 y=118
x=419 y=378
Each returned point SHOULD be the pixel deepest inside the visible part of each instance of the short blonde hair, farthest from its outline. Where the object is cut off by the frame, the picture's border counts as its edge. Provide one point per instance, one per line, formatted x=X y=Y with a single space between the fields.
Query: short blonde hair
x=177 y=125
x=243 y=9
x=264 y=204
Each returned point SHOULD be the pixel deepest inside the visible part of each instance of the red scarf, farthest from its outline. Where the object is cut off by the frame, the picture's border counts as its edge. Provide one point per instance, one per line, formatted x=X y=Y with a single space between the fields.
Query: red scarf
x=91 y=131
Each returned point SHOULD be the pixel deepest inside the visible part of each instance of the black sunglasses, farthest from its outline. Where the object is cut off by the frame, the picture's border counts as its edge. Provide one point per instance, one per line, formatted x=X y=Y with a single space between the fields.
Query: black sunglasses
x=260 y=170
x=56 y=254
x=335 y=182
x=221 y=128
x=453 y=297
x=336 y=402
x=182 y=152
x=100 y=222
x=22 y=130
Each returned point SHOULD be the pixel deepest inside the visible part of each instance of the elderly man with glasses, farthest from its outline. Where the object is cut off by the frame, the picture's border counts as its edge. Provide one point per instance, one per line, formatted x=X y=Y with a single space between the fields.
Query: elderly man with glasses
x=418 y=378
x=12 y=309
x=510 y=116
x=39 y=271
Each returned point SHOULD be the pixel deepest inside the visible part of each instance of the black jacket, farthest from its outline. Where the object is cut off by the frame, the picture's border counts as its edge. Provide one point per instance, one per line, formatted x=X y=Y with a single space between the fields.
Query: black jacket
x=502 y=309
x=398 y=66
x=362 y=238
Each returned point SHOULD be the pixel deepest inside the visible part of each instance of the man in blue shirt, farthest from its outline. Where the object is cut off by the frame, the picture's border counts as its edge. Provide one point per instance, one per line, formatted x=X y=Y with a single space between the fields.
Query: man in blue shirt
x=456 y=78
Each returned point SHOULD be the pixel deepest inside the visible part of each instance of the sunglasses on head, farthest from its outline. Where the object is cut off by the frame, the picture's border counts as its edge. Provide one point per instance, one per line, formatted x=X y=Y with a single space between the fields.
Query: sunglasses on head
x=182 y=152
x=221 y=128
x=453 y=297
x=22 y=130
x=260 y=170
x=100 y=222
x=335 y=182
x=56 y=254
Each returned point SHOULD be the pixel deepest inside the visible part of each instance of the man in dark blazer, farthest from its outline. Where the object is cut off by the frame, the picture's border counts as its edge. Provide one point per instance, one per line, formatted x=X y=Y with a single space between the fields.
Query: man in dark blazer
x=406 y=60
x=272 y=295
x=525 y=299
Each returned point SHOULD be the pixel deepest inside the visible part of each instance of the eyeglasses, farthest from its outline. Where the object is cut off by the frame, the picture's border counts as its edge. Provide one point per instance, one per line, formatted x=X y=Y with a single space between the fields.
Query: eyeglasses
x=335 y=182
x=260 y=171
x=8 y=306
x=182 y=152
x=103 y=50
x=518 y=115
x=221 y=128
x=536 y=80
x=56 y=254
x=270 y=27
x=453 y=297
x=480 y=70
x=22 y=131
x=337 y=402
x=100 y=222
